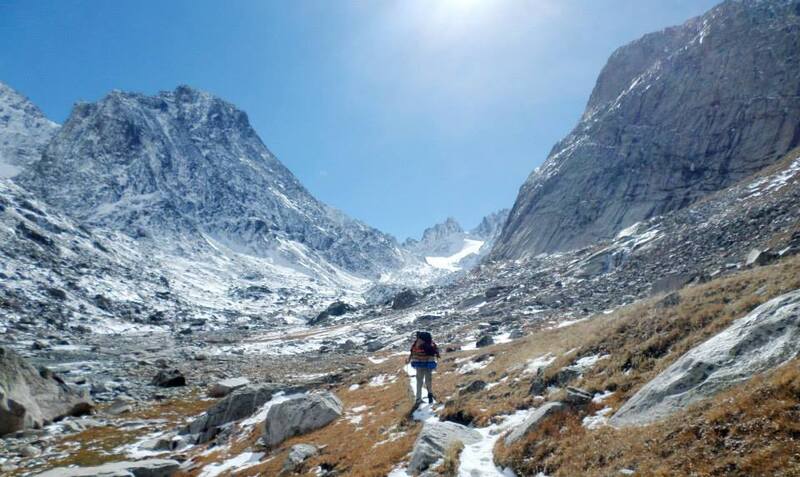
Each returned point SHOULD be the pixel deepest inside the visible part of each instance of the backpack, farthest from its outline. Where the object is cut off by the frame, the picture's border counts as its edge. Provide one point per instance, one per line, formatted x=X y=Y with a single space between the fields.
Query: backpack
x=425 y=336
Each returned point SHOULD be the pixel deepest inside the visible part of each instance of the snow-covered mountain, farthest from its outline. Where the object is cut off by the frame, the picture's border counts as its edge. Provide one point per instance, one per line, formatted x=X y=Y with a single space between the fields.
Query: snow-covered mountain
x=24 y=131
x=186 y=170
x=446 y=248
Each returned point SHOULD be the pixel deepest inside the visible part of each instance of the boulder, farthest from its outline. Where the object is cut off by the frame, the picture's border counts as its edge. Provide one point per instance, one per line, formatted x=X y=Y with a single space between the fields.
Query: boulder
x=474 y=387
x=31 y=398
x=142 y=468
x=300 y=415
x=434 y=440
x=485 y=340
x=298 y=454
x=577 y=397
x=226 y=386
x=757 y=258
x=337 y=308
x=762 y=340
x=404 y=299
x=169 y=378
x=533 y=421
x=242 y=403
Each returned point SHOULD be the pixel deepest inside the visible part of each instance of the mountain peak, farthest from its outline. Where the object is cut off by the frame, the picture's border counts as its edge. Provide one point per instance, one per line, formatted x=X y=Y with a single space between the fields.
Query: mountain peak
x=186 y=162
x=670 y=120
x=24 y=131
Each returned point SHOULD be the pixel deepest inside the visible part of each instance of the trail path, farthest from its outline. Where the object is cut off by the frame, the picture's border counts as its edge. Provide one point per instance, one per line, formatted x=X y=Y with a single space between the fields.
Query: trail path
x=477 y=460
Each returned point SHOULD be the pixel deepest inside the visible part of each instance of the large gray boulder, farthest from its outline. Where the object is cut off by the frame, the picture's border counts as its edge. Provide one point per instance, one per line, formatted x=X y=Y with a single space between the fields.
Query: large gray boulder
x=299 y=415
x=242 y=403
x=30 y=398
x=142 y=468
x=227 y=386
x=764 y=339
x=434 y=440
x=532 y=422
x=671 y=119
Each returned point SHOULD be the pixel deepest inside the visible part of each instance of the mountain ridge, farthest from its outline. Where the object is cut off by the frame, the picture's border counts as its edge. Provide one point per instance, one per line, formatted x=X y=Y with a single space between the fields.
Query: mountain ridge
x=671 y=119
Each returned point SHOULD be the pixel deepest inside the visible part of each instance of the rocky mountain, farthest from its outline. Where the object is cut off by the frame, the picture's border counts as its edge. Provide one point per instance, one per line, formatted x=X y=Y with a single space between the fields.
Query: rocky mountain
x=184 y=167
x=448 y=247
x=674 y=116
x=24 y=131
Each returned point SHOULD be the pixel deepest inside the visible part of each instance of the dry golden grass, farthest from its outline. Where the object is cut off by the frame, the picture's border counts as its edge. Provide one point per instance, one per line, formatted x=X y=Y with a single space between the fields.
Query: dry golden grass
x=96 y=445
x=452 y=458
x=750 y=430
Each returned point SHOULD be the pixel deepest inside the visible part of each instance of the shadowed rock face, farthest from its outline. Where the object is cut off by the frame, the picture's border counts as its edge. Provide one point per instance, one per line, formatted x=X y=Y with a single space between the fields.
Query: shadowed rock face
x=32 y=398
x=674 y=116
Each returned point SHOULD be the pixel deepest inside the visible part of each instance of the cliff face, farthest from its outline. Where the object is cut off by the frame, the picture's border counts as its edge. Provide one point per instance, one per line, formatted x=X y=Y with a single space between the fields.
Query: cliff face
x=674 y=116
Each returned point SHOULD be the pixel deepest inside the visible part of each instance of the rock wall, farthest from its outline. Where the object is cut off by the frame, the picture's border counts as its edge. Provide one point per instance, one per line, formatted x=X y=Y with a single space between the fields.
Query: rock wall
x=675 y=115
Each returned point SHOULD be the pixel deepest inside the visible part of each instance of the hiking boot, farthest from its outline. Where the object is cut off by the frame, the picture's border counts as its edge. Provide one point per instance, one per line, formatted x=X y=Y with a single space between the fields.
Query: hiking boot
x=430 y=398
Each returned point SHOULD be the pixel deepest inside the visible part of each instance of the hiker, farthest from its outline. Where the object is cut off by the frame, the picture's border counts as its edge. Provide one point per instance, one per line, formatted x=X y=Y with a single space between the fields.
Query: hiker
x=423 y=359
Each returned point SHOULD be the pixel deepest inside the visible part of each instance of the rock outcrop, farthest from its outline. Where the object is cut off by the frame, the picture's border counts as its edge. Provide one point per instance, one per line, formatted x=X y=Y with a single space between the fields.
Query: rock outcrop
x=300 y=415
x=532 y=422
x=434 y=440
x=241 y=403
x=674 y=116
x=762 y=340
x=226 y=386
x=30 y=398
x=142 y=468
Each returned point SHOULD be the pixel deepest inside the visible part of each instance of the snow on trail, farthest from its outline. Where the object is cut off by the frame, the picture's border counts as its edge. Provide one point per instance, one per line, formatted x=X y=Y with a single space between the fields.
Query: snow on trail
x=477 y=460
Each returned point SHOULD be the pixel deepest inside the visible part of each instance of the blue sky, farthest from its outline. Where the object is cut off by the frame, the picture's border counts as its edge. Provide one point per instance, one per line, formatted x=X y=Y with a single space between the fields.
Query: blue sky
x=399 y=113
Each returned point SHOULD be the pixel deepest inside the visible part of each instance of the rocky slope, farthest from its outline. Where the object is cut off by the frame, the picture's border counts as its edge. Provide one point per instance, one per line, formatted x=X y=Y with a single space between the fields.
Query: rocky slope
x=24 y=131
x=675 y=115
x=183 y=166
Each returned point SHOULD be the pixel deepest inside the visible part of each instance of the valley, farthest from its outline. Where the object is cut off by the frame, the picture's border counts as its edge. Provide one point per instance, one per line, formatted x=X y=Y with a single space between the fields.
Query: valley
x=174 y=302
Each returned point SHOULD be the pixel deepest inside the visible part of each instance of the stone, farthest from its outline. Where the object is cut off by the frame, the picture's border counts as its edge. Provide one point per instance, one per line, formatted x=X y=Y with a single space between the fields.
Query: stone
x=337 y=308
x=298 y=454
x=532 y=421
x=226 y=386
x=671 y=282
x=241 y=403
x=142 y=468
x=299 y=415
x=762 y=340
x=405 y=299
x=30 y=398
x=121 y=405
x=474 y=387
x=577 y=397
x=760 y=258
x=169 y=378
x=485 y=340
x=30 y=451
x=433 y=441
x=650 y=139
